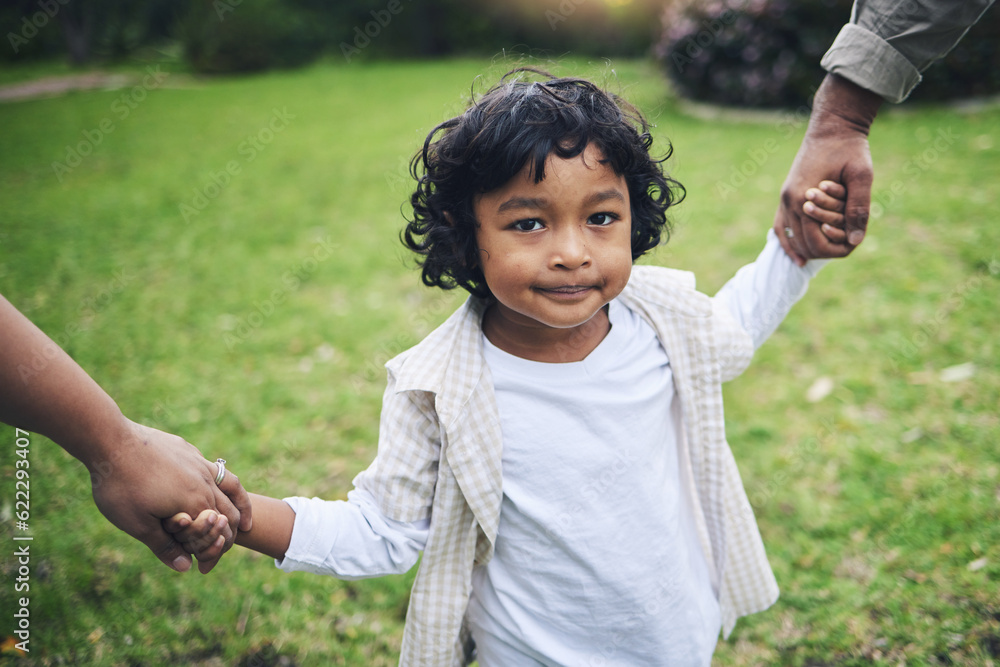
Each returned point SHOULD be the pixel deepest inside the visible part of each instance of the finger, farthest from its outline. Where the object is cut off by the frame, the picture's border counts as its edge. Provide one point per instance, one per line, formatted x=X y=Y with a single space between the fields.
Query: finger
x=235 y=495
x=177 y=522
x=785 y=241
x=221 y=501
x=205 y=566
x=169 y=551
x=833 y=189
x=824 y=200
x=794 y=227
x=209 y=557
x=200 y=544
x=824 y=242
x=211 y=553
x=859 y=195
x=209 y=548
x=834 y=234
x=821 y=215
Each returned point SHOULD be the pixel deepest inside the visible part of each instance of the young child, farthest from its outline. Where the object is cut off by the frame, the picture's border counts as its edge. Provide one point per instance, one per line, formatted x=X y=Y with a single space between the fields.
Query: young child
x=556 y=448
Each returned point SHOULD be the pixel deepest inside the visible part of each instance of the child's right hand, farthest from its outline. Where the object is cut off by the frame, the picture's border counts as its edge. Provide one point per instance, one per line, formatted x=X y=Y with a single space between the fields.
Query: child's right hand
x=825 y=205
x=204 y=536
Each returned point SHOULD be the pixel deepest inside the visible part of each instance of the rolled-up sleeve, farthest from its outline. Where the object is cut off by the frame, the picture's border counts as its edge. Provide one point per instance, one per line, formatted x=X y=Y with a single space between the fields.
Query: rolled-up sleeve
x=888 y=44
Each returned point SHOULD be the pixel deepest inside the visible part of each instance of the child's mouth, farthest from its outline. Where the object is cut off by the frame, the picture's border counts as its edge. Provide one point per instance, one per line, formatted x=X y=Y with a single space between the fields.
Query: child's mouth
x=567 y=290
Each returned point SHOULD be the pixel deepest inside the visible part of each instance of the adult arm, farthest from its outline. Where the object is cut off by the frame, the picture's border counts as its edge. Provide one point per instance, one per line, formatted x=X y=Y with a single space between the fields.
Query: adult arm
x=878 y=56
x=139 y=475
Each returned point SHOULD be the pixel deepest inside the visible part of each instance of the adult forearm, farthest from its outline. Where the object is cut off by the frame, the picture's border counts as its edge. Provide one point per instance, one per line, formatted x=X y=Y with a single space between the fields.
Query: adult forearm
x=43 y=390
x=139 y=475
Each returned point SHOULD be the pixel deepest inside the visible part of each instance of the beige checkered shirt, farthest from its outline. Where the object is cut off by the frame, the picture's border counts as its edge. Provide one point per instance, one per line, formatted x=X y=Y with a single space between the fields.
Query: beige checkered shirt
x=440 y=446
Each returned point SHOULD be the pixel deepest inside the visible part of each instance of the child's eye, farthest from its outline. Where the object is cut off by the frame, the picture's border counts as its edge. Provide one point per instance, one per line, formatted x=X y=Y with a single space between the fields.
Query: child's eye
x=527 y=225
x=602 y=219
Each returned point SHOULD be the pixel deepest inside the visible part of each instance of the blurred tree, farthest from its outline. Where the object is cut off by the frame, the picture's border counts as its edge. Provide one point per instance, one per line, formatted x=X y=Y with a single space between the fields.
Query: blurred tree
x=77 y=21
x=767 y=53
x=82 y=29
x=761 y=54
x=972 y=68
x=246 y=35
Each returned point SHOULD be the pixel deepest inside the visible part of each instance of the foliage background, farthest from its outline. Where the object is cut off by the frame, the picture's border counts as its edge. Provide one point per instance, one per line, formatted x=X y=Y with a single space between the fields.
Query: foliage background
x=767 y=53
x=249 y=35
x=759 y=53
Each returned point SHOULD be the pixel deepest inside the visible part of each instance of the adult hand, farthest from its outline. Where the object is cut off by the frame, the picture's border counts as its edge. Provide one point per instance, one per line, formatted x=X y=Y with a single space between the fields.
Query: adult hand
x=153 y=475
x=835 y=148
x=139 y=475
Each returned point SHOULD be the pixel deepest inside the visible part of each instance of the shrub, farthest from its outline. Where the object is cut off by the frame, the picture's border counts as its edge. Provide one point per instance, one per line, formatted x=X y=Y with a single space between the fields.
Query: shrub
x=766 y=53
x=223 y=36
x=971 y=69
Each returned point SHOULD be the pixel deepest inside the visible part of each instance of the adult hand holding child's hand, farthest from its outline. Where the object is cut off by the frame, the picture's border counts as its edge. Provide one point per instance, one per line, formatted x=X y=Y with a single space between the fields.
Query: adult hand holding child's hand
x=157 y=475
x=835 y=148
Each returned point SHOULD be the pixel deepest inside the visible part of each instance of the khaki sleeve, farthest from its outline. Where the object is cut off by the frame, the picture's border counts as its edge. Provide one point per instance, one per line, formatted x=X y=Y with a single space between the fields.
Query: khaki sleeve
x=888 y=44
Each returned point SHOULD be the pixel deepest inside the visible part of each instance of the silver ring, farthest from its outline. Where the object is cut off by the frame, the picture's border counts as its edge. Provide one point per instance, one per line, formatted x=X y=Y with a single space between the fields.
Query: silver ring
x=789 y=233
x=221 y=475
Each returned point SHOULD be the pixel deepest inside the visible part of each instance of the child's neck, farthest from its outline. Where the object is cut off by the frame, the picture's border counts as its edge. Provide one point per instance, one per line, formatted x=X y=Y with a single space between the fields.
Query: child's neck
x=543 y=343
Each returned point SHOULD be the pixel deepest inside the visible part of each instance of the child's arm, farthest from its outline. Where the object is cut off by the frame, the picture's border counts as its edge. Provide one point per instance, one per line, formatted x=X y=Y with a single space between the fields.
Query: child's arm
x=273 y=534
x=204 y=536
x=348 y=539
x=761 y=293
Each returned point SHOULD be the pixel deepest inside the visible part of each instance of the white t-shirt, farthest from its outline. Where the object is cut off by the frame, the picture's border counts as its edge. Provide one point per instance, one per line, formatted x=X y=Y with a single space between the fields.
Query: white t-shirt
x=607 y=499
x=597 y=560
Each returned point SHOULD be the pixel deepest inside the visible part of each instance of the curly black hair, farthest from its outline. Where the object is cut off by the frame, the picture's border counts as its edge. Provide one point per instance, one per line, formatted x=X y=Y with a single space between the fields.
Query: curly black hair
x=515 y=123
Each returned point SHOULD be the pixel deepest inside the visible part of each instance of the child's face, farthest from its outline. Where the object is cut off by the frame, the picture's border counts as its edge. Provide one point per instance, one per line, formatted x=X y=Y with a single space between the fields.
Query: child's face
x=555 y=253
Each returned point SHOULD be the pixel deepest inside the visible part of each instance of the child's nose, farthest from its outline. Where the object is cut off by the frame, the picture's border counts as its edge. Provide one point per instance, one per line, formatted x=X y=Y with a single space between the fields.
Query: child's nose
x=571 y=251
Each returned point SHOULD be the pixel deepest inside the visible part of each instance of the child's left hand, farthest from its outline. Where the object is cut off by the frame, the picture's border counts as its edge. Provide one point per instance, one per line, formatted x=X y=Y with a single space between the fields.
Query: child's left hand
x=204 y=536
x=825 y=205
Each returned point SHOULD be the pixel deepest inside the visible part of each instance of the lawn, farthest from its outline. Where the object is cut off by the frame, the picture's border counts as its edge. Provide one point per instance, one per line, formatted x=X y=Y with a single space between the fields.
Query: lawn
x=223 y=257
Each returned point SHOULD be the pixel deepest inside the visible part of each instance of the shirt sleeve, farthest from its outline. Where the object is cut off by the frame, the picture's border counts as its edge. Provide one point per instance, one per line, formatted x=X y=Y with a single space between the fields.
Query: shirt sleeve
x=761 y=294
x=384 y=524
x=403 y=476
x=888 y=44
x=351 y=539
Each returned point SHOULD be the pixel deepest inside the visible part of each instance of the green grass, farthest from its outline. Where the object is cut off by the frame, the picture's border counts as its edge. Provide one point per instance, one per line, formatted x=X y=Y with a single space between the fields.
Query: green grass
x=257 y=329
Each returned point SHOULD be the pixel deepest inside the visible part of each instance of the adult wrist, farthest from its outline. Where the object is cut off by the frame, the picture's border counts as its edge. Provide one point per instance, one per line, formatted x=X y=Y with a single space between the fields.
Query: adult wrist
x=102 y=444
x=841 y=105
